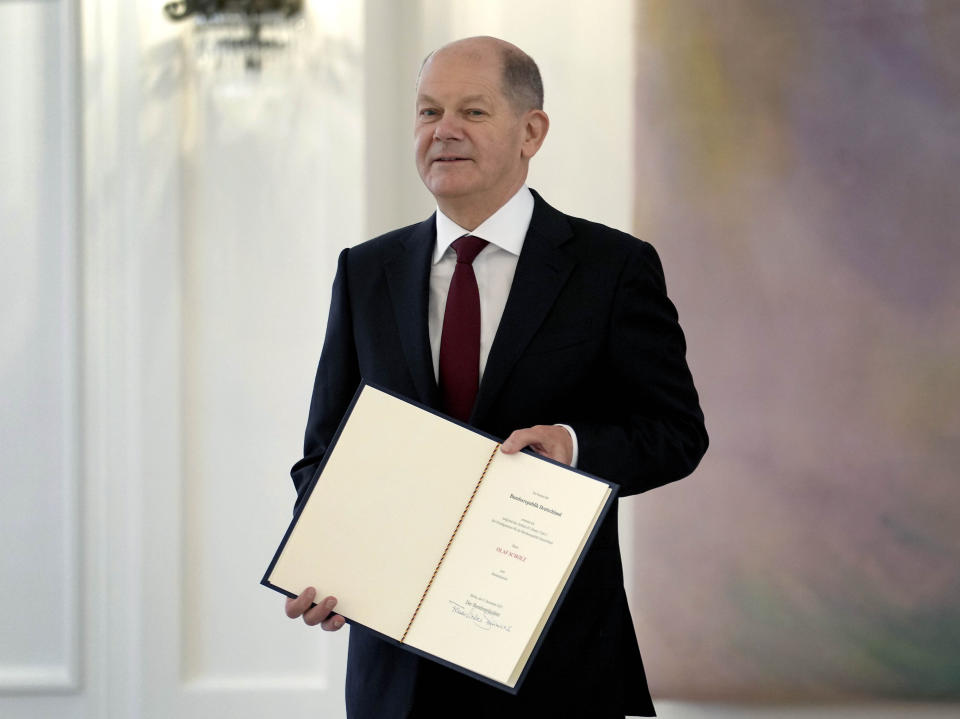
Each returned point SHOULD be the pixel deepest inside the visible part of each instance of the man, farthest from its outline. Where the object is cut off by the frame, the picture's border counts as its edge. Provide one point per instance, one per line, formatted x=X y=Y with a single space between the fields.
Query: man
x=572 y=349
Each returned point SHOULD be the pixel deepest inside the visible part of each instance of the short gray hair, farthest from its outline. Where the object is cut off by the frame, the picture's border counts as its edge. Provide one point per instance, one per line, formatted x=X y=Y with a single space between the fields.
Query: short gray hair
x=520 y=78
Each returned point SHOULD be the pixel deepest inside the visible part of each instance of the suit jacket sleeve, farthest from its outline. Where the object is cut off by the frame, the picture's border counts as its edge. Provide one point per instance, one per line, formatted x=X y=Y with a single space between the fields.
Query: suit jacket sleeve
x=338 y=376
x=652 y=431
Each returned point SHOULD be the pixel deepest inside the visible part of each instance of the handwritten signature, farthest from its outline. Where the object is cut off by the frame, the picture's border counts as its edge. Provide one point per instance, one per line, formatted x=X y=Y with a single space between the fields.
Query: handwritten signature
x=480 y=621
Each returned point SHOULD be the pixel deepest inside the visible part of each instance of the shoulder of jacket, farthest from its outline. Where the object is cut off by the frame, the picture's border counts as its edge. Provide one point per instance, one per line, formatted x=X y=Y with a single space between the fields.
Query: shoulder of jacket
x=600 y=239
x=387 y=243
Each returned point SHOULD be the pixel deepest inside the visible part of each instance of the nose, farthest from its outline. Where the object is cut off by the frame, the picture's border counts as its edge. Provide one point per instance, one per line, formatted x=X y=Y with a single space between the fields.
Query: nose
x=447 y=128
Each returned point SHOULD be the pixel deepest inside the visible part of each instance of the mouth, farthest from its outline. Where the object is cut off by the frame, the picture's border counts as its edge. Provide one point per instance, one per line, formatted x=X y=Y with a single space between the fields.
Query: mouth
x=451 y=158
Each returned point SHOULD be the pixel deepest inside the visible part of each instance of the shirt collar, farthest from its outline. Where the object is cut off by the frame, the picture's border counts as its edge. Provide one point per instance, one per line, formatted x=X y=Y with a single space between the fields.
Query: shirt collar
x=505 y=228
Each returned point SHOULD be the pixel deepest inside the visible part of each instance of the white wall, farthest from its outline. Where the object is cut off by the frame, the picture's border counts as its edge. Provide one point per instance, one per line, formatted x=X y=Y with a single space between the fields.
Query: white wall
x=164 y=291
x=40 y=426
x=167 y=239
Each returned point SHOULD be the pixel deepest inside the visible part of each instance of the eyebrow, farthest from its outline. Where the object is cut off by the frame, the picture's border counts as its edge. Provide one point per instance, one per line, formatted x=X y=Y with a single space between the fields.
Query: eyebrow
x=423 y=97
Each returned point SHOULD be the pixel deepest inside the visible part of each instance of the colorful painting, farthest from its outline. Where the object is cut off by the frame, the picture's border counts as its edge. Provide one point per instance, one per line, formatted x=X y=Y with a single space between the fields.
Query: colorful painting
x=798 y=168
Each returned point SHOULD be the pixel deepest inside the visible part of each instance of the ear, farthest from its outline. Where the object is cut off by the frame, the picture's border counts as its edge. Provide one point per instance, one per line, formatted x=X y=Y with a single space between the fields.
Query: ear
x=535 y=126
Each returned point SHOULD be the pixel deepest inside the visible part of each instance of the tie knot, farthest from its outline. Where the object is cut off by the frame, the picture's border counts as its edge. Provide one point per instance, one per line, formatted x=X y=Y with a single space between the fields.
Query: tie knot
x=467 y=248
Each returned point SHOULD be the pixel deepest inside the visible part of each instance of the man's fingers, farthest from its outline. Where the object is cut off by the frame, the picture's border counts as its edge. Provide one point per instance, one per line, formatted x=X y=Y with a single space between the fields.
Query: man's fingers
x=549 y=440
x=515 y=442
x=323 y=614
x=295 y=607
x=317 y=614
x=533 y=437
x=332 y=623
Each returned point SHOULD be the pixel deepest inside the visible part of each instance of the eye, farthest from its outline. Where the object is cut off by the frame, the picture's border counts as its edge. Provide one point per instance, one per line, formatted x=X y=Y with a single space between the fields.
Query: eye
x=428 y=112
x=474 y=112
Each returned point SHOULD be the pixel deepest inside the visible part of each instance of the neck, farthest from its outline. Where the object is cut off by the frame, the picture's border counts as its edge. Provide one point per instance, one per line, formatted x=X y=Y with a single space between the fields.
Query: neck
x=470 y=212
x=469 y=218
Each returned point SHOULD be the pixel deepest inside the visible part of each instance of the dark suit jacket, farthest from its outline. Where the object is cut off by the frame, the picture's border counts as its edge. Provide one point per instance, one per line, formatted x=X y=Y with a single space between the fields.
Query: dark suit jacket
x=588 y=338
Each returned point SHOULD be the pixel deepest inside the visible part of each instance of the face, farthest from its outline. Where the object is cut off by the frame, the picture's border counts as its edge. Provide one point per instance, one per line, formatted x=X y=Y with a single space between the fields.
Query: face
x=472 y=147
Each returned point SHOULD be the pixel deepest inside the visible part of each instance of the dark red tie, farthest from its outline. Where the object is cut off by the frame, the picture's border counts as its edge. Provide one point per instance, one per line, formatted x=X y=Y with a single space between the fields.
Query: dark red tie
x=460 y=338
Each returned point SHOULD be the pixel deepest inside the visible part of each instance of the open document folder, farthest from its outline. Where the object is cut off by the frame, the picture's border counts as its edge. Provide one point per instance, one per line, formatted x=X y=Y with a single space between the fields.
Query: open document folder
x=431 y=536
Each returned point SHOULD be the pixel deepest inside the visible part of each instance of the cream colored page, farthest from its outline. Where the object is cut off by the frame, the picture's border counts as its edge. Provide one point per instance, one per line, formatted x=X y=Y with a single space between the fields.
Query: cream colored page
x=528 y=650
x=382 y=511
x=503 y=570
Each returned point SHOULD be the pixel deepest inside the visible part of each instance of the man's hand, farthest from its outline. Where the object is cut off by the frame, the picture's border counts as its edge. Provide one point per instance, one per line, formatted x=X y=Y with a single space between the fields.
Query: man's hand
x=547 y=440
x=321 y=614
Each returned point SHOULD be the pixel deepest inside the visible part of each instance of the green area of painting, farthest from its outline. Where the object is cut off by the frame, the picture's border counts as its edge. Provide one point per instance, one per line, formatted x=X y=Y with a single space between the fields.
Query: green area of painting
x=861 y=646
x=921 y=650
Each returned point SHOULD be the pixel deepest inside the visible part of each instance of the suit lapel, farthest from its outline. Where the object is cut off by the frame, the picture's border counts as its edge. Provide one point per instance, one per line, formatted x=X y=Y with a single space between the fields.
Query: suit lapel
x=408 y=278
x=542 y=270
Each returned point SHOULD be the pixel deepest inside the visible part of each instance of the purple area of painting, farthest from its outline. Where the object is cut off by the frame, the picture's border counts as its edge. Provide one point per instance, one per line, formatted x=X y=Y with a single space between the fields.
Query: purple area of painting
x=875 y=116
x=797 y=170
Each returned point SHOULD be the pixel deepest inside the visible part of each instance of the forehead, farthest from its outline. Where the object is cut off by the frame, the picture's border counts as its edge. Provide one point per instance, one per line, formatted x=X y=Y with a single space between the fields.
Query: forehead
x=452 y=76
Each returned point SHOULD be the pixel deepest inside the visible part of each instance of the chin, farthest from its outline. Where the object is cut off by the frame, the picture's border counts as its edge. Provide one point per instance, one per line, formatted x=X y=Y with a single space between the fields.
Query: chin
x=445 y=188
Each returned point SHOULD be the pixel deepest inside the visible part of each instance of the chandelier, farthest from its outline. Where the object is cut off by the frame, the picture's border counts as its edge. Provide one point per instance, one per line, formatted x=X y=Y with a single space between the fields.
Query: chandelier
x=251 y=29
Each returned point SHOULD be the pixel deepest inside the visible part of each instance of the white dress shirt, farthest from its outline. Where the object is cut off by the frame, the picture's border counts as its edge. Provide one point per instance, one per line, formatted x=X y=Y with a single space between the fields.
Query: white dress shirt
x=494 y=268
